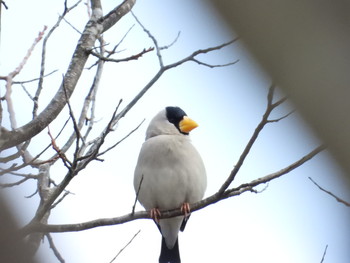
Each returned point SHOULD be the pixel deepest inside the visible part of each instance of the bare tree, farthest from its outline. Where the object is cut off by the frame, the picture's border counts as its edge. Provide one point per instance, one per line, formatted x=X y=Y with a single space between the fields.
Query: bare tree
x=80 y=147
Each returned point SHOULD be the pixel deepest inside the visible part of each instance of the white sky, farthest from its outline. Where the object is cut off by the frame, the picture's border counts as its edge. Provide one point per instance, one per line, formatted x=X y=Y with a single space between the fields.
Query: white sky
x=291 y=221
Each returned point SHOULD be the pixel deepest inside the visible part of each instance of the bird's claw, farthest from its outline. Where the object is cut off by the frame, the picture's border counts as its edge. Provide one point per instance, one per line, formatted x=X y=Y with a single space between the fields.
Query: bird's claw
x=155 y=214
x=185 y=209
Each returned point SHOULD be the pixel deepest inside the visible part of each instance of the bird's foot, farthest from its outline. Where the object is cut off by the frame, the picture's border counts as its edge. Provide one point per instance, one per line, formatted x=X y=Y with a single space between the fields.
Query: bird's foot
x=185 y=209
x=155 y=214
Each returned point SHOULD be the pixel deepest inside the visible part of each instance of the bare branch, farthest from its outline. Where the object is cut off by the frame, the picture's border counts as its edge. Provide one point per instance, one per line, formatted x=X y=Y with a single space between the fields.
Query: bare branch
x=125 y=110
x=154 y=40
x=76 y=130
x=35 y=162
x=248 y=187
x=91 y=98
x=27 y=92
x=15 y=183
x=33 y=194
x=73 y=27
x=45 y=206
x=133 y=57
x=29 y=176
x=44 y=190
x=63 y=157
x=92 y=154
x=324 y=254
x=114 y=16
x=127 y=244
x=9 y=79
x=267 y=178
x=97 y=25
x=125 y=137
x=86 y=42
x=43 y=55
x=160 y=73
x=20 y=82
x=192 y=57
x=15 y=155
x=4 y=4
x=60 y=200
x=172 y=43
x=113 y=51
x=189 y=58
x=269 y=108
x=54 y=249
x=12 y=168
x=89 y=102
x=80 y=164
x=283 y=117
x=330 y=193
x=214 y=66
x=29 y=52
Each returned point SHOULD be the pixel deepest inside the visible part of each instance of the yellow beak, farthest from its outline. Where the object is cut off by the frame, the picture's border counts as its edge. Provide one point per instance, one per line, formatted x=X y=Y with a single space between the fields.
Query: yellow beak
x=186 y=124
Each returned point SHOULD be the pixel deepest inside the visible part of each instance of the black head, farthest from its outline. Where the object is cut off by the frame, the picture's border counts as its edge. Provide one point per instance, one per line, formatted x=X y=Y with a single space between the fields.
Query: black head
x=174 y=116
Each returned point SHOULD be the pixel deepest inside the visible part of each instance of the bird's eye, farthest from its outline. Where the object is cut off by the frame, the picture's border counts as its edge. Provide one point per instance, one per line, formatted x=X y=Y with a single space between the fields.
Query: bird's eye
x=174 y=115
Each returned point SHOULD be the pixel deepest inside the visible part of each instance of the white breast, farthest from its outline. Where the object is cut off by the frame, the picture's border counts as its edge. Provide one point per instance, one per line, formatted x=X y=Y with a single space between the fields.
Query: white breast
x=172 y=170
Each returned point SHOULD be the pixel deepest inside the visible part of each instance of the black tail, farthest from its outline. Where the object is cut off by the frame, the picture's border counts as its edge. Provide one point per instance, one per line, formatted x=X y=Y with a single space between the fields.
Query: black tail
x=169 y=255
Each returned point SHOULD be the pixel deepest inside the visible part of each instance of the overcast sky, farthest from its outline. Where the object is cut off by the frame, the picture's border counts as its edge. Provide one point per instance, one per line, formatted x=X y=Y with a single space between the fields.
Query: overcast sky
x=290 y=221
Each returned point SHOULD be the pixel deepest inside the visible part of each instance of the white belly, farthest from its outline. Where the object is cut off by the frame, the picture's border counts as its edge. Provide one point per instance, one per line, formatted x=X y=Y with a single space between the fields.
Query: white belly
x=173 y=173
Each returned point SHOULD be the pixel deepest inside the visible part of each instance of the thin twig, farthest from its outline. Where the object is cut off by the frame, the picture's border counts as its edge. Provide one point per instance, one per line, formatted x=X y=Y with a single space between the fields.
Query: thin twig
x=121 y=250
x=62 y=156
x=113 y=51
x=11 y=76
x=66 y=10
x=76 y=130
x=15 y=183
x=330 y=193
x=192 y=56
x=133 y=57
x=94 y=149
x=60 y=200
x=91 y=98
x=121 y=140
x=281 y=118
x=31 y=195
x=172 y=43
x=89 y=102
x=12 y=168
x=36 y=162
x=21 y=82
x=212 y=65
x=29 y=52
x=15 y=155
x=324 y=253
x=27 y=92
x=4 y=4
x=154 y=40
x=72 y=26
x=54 y=249
x=29 y=176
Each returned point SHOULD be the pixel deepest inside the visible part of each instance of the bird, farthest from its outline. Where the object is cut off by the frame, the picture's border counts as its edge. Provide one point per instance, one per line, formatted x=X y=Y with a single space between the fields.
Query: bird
x=169 y=174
